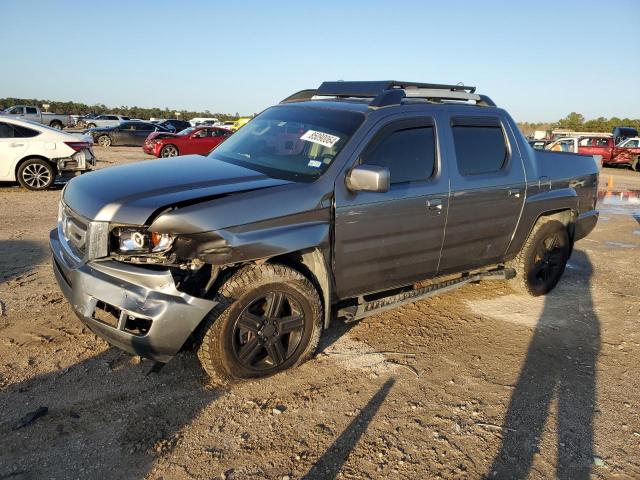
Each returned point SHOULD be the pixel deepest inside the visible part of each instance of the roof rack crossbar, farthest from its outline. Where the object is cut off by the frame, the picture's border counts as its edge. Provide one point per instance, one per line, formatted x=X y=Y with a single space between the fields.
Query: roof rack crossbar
x=392 y=92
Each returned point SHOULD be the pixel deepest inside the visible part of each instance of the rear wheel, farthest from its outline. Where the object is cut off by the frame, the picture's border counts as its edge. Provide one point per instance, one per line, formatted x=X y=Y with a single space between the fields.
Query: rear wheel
x=104 y=141
x=55 y=124
x=36 y=174
x=91 y=125
x=169 y=151
x=269 y=320
x=636 y=163
x=542 y=260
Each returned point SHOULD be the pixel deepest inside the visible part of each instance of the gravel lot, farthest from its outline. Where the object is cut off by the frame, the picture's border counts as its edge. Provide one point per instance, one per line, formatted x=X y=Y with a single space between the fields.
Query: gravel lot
x=481 y=382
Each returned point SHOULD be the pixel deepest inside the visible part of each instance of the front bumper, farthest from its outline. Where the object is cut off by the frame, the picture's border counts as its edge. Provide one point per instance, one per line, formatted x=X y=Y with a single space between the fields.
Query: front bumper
x=585 y=223
x=137 y=294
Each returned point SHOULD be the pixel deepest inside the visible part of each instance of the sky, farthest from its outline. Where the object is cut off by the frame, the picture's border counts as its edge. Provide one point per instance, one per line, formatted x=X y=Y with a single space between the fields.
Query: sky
x=540 y=59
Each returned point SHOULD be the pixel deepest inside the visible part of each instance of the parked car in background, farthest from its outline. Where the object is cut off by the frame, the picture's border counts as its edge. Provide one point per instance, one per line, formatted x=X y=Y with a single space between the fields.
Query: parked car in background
x=131 y=133
x=106 y=121
x=228 y=124
x=35 y=155
x=601 y=147
x=622 y=133
x=34 y=114
x=195 y=140
x=175 y=125
x=317 y=210
x=202 y=121
x=241 y=122
x=538 y=144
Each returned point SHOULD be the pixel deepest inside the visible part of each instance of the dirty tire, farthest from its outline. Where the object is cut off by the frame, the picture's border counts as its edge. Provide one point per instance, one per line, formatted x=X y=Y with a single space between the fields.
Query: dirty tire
x=635 y=165
x=91 y=125
x=57 y=125
x=250 y=298
x=36 y=174
x=104 y=141
x=543 y=258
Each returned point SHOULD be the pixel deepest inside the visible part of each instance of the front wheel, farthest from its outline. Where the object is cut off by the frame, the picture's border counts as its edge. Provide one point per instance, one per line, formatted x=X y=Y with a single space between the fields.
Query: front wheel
x=36 y=174
x=91 y=125
x=169 y=151
x=635 y=165
x=269 y=319
x=56 y=125
x=543 y=258
x=104 y=141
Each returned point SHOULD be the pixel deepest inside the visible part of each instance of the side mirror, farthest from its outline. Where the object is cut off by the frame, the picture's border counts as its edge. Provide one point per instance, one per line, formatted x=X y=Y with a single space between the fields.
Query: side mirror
x=368 y=178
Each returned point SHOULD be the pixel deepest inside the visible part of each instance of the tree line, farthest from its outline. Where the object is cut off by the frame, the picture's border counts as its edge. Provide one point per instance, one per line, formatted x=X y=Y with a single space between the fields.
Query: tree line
x=576 y=121
x=75 y=108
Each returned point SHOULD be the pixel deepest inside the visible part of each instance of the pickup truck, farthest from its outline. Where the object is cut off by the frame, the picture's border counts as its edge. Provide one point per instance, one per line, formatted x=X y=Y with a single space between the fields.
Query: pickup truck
x=626 y=153
x=34 y=114
x=339 y=202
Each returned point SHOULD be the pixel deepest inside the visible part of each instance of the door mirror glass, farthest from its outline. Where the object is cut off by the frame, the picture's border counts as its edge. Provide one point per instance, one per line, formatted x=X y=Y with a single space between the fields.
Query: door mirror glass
x=368 y=178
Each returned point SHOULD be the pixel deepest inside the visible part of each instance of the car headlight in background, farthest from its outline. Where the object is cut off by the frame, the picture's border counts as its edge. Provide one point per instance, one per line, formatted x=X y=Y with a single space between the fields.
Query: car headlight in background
x=140 y=240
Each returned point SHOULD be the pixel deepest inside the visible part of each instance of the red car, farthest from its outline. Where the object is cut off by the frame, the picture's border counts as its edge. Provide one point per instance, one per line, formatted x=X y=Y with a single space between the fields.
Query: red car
x=611 y=153
x=198 y=140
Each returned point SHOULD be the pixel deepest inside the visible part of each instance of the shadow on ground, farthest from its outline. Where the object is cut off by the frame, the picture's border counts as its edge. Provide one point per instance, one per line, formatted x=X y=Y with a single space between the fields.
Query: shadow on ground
x=561 y=364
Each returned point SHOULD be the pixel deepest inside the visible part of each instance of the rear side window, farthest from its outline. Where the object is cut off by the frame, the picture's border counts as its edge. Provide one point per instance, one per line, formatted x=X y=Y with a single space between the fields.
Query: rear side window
x=480 y=145
x=24 y=132
x=6 y=131
x=409 y=154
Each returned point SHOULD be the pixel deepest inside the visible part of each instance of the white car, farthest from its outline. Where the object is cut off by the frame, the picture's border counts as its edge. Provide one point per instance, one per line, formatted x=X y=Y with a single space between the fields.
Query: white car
x=203 y=121
x=34 y=154
x=633 y=142
x=105 y=121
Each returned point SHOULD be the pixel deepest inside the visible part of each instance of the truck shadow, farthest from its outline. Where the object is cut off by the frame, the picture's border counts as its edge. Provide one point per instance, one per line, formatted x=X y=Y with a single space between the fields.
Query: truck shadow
x=20 y=257
x=561 y=364
x=330 y=463
x=115 y=427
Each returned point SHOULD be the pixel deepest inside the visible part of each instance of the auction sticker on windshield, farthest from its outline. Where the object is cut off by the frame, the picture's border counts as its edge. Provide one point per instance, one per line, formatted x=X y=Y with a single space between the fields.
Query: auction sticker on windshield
x=321 y=138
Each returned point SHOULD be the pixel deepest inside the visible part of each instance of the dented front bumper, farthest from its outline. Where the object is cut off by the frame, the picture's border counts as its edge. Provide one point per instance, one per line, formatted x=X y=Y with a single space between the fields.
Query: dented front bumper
x=134 y=308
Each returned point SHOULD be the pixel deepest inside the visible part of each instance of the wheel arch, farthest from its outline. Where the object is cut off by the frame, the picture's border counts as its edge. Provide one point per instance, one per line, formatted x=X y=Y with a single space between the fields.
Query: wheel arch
x=565 y=215
x=312 y=264
x=34 y=157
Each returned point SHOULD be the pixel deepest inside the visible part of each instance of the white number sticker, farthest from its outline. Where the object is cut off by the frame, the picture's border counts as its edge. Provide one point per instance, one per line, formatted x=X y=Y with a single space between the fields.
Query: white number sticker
x=321 y=138
x=314 y=163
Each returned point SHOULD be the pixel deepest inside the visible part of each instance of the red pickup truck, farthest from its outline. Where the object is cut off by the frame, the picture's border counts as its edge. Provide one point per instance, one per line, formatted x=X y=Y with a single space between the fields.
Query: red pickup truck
x=626 y=153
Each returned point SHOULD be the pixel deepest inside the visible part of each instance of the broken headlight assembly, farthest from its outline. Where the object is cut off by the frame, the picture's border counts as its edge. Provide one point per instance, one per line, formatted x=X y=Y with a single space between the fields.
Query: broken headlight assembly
x=140 y=241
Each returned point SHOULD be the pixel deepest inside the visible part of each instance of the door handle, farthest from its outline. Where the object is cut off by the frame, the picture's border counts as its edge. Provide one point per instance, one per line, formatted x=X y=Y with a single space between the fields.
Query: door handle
x=514 y=192
x=435 y=204
x=16 y=144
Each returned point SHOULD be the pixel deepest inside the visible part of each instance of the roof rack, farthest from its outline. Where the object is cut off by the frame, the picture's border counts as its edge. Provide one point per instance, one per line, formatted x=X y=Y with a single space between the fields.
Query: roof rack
x=392 y=92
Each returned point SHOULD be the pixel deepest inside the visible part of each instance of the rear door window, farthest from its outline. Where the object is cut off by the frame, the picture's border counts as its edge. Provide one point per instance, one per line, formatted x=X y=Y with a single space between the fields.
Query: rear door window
x=408 y=153
x=602 y=142
x=31 y=110
x=480 y=145
x=24 y=132
x=6 y=131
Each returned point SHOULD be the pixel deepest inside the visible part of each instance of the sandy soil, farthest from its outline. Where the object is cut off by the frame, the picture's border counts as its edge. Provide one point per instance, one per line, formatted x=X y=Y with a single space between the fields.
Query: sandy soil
x=478 y=383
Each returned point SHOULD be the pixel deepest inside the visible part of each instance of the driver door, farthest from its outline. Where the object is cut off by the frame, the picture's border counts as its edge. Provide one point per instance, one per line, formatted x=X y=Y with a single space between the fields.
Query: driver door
x=391 y=239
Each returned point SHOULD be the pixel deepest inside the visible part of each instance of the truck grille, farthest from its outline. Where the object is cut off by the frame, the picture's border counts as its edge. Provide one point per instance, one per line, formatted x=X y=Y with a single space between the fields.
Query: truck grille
x=85 y=239
x=74 y=229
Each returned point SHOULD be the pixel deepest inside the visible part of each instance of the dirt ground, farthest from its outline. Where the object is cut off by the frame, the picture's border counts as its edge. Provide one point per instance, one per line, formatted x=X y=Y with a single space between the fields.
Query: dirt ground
x=481 y=382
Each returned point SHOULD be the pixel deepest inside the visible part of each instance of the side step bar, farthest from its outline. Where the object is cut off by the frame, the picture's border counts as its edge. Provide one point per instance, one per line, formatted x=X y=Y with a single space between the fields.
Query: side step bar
x=367 y=308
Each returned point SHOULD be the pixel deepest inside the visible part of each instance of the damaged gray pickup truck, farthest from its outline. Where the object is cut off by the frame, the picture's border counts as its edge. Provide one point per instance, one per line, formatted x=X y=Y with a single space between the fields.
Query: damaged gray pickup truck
x=340 y=202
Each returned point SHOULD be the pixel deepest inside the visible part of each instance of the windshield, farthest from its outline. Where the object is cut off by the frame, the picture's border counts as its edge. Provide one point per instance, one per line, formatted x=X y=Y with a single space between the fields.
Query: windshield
x=186 y=131
x=294 y=143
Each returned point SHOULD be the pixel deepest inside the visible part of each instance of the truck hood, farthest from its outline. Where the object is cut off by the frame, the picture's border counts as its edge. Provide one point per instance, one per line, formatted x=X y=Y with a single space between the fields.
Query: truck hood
x=131 y=194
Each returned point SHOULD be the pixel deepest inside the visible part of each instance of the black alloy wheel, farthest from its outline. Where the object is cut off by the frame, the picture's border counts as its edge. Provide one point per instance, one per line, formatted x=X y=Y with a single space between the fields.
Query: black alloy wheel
x=268 y=331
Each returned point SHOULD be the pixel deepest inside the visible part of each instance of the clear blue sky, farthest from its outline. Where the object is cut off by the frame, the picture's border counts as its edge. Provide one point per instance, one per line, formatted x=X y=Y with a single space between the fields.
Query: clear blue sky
x=539 y=59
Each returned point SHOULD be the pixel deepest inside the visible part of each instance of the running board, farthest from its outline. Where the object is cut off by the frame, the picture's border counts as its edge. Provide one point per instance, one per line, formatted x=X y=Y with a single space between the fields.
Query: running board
x=365 y=309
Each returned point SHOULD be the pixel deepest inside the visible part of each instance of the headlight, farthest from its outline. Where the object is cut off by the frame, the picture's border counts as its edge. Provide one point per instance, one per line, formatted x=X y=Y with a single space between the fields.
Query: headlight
x=139 y=240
